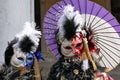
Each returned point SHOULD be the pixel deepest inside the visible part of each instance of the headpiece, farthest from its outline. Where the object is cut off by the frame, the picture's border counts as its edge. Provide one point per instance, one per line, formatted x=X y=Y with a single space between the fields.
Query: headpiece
x=25 y=42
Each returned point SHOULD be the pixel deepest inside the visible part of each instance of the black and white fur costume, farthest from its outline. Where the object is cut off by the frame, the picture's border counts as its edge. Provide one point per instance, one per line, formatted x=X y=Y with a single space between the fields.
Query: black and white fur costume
x=28 y=40
x=70 y=24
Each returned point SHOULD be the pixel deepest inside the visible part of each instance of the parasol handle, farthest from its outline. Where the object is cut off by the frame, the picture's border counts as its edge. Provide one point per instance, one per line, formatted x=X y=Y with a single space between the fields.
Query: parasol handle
x=89 y=55
x=36 y=69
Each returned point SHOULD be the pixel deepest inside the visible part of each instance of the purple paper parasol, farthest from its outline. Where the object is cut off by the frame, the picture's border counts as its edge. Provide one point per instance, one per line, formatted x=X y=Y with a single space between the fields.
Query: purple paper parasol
x=105 y=27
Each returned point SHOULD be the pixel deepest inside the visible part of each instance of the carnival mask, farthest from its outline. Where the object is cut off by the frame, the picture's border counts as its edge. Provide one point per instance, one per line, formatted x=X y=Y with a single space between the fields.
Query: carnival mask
x=72 y=47
x=22 y=59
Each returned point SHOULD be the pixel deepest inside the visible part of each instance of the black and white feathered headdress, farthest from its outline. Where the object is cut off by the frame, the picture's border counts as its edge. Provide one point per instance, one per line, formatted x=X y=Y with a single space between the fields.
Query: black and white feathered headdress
x=26 y=41
x=70 y=23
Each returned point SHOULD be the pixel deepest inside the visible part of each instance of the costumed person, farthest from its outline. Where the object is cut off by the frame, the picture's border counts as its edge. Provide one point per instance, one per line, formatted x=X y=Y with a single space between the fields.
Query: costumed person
x=77 y=48
x=22 y=55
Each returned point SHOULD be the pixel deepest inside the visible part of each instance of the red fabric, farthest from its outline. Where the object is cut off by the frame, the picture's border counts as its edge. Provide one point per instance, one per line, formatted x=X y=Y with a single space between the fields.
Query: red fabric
x=91 y=44
x=103 y=76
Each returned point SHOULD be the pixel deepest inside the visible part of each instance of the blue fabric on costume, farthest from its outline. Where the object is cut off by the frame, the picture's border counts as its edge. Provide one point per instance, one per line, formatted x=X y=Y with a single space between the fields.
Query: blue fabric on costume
x=38 y=55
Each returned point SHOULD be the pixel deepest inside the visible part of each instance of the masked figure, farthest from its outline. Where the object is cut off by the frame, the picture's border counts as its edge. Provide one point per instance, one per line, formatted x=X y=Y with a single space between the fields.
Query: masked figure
x=20 y=55
x=77 y=47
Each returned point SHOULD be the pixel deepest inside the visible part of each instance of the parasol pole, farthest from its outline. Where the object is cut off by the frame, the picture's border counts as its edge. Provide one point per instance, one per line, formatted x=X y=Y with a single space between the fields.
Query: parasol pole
x=36 y=69
x=86 y=49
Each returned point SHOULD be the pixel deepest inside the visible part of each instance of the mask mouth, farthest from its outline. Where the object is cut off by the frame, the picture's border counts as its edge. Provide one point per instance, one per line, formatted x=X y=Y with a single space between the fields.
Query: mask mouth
x=68 y=49
x=23 y=70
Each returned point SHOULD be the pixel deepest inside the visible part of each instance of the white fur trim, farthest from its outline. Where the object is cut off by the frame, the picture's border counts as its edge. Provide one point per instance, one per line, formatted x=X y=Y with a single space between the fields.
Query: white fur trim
x=85 y=65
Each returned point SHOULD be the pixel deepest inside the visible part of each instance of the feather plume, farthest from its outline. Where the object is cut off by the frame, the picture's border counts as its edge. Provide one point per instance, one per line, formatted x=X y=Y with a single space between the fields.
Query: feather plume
x=70 y=23
x=28 y=39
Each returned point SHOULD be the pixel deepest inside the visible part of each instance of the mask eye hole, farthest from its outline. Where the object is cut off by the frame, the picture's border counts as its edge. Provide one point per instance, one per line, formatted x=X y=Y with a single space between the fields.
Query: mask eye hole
x=78 y=45
x=68 y=47
x=20 y=58
x=30 y=58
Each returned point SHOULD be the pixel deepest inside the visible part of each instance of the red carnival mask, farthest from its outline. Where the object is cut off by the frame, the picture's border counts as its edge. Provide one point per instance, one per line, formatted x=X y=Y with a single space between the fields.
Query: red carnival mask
x=77 y=45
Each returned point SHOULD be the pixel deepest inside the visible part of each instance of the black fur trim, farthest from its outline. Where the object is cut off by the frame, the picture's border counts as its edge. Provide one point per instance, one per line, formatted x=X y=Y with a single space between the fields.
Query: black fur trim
x=65 y=68
x=12 y=73
x=70 y=28
x=26 y=44
x=9 y=52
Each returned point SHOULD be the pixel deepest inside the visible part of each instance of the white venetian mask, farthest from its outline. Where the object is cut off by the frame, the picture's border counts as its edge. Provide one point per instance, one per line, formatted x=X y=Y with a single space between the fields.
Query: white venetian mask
x=18 y=59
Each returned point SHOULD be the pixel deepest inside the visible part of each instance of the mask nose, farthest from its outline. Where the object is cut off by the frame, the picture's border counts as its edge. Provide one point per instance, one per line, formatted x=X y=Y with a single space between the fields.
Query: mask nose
x=77 y=51
x=25 y=63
